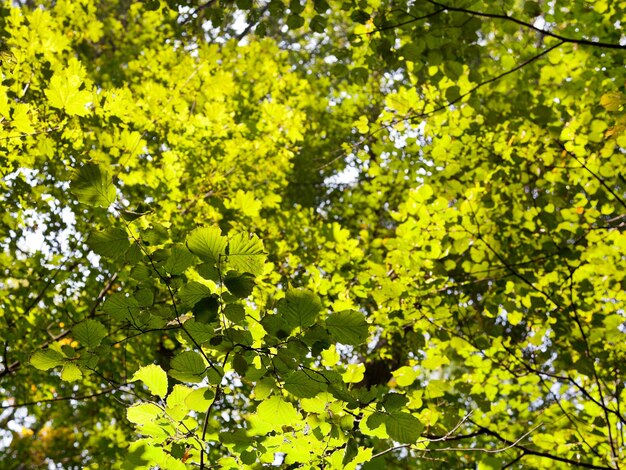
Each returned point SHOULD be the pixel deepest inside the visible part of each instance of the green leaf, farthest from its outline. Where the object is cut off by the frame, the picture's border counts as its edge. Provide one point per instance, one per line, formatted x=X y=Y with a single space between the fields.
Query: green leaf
x=111 y=243
x=352 y=450
x=90 y=333
x=121 y=307
x=235 y=313
x=200 y=399
x=205 y=311
x=71 y=372
x=296 y=7
x=613 y=101
x=179 y=260
x=238 y=436
x=347 y=327
x=413 y=51
x=46 y=359
x=359 y=75
x=318 y=24
x=155 y=234
x=321 y=6
x=193 y=292
x=453 y=93
x=304 y=384
x=299 y=308
x=295 y=21
x=208 y=244
x=200 y=332
x=240 y=365
x=188 y=366
x=64 y=93
x=240 y=285
x=376 y=419
x=394 y=401
x=277 y=412
x=93 y=186
x=405 y=376
x=532 y=8
x=141 y=272
x=360 y=16
x=245 y=254
x=276 y=326
x=144 y=297
x=143 y=413
x=403 y=427
x=208 y=271
x=154 y=377
x=152 y=5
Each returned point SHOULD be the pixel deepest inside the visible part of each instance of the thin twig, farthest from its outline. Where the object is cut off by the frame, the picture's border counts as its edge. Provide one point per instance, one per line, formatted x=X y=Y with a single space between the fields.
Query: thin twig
x=584 y=42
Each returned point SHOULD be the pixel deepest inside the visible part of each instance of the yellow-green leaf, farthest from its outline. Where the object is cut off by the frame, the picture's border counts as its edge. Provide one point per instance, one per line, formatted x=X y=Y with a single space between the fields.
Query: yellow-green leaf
x=154 y=377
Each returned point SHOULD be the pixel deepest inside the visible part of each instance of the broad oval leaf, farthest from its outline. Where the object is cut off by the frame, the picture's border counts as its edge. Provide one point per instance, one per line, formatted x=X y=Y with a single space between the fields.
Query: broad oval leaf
x=403 y=427
x=94 y=186
x=200 y=399
x=207 y=243
x=299 y=308
x=305 y=384
x=193 y=292
x=46 y=359
x=188 y=366
x=277 y=412
x=121 y=307
x=179 y=260
x=143 y=413
x=111 y=243
x=71 y=372
x=347 y=327
x=245 y=254
x=90 y=333
x=240 y=285
x=154 y=377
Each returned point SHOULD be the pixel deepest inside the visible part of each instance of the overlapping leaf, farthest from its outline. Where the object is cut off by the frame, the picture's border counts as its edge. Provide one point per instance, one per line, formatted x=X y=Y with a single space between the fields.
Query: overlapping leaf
x=94 y=186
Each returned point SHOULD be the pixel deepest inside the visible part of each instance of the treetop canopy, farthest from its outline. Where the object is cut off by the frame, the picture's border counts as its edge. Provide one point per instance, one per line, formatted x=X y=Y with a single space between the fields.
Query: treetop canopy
x=352 y=235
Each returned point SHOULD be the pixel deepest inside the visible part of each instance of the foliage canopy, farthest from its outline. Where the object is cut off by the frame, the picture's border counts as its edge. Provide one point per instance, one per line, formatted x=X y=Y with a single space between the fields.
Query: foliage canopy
x=372 y=234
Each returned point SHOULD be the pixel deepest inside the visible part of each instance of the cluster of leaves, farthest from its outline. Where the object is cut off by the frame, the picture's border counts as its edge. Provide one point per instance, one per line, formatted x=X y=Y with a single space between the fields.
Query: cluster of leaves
x=231 y=347
x=442 y=182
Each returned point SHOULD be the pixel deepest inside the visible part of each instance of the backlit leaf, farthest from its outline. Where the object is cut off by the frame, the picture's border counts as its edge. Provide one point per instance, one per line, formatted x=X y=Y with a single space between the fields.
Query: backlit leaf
x=299 y=308
x=142 y=413
x=277 y=412
x=207 y=243
x=154 y=377
x=403 y=427
x=71 y=373
x=304 y=384
x=245 y=254
x=188 y=366
x=64 y=93
x=90 y=333
x=93 y=186
x=46 y=359
x=347 y=327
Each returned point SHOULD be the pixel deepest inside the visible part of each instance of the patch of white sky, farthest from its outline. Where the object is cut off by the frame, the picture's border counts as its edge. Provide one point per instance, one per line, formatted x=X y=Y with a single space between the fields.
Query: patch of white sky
x=34 y=239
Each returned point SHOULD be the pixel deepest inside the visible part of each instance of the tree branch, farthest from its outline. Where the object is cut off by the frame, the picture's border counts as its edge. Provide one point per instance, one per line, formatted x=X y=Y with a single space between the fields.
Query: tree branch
x=528 y=451
x=584 y=42
x=486 y=82
x=72 y=397
x=596 y=176
x=404 y=23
